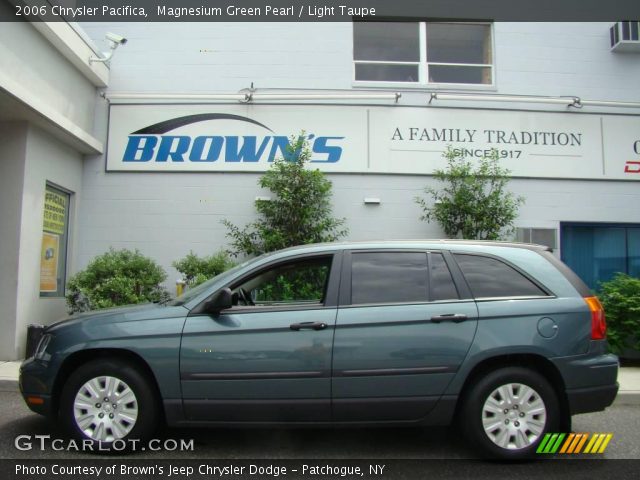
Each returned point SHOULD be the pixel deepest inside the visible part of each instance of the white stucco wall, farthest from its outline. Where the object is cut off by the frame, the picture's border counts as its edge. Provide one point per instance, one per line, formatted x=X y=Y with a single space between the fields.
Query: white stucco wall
x=167 y=214
x=535 y=58
x=46 y=160
x=30 y=61
x=13 y=137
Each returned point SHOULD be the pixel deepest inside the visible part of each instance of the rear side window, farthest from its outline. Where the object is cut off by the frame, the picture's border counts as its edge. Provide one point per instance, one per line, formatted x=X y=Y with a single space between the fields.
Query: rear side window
x=388 y=277
x=489 y=278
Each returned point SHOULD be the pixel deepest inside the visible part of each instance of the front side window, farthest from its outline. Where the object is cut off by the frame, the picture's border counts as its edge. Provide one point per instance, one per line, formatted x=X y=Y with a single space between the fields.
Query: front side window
x=293 y=283
x=423 y=52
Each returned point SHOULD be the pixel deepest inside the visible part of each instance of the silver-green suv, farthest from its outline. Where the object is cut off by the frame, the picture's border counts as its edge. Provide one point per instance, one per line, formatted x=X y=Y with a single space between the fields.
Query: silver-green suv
x=502 y=338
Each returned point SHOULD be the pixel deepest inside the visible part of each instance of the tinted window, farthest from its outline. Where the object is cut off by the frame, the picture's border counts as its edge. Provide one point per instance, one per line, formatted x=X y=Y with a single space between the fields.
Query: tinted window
x=489 y=277
x=442 y=286
x=389 y=277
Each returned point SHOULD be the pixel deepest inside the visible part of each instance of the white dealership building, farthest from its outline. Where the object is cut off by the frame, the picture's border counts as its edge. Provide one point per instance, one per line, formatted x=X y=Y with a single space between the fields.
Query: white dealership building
x=153 y=149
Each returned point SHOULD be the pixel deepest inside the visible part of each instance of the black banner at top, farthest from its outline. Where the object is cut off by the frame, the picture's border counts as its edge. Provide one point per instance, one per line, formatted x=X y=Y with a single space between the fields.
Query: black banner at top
x=317 y=10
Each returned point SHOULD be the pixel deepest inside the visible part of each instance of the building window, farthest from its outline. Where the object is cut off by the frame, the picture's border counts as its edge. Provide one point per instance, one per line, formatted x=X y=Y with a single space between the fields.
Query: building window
x=423 y=53
x=53 y=254
x=597 y=252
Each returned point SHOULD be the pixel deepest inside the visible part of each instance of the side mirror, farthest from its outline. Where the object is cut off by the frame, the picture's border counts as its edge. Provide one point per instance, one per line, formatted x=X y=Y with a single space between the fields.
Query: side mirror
x=221 y=301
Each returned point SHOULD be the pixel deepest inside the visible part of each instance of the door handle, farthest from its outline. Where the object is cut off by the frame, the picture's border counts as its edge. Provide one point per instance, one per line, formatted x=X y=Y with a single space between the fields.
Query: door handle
x=449 y=317
x=308 y=326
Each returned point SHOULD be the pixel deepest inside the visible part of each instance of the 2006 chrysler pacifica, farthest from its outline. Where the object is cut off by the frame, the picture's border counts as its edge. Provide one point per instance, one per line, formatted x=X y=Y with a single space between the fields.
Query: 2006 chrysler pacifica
x=503 y=338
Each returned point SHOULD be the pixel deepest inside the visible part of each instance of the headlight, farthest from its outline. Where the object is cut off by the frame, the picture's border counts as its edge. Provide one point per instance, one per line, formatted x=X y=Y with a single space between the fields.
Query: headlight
x=42 y=346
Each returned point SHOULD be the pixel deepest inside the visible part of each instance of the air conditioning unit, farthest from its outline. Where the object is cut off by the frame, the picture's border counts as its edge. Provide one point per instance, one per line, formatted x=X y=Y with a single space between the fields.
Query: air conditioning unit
x=541 y=236
x=625 y=37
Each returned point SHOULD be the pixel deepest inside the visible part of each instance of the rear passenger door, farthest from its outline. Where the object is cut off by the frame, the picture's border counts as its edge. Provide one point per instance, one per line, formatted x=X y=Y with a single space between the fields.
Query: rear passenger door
x=405 y=323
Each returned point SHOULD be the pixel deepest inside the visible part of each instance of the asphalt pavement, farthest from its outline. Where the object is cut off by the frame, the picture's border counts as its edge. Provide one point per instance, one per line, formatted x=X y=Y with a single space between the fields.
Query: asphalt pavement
x=330 y=443
x=29 y=442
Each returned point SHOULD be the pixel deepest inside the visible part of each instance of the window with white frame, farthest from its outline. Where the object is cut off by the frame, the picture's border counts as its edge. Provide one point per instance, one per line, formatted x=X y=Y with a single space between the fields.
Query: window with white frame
x=423 y=53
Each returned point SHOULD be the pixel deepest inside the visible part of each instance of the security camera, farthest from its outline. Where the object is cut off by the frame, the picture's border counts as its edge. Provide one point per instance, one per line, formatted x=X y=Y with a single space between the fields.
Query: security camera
x=117 y=39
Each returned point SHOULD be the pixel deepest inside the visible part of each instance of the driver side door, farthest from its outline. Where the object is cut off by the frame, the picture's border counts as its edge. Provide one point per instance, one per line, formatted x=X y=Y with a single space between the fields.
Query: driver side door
x=268 y=358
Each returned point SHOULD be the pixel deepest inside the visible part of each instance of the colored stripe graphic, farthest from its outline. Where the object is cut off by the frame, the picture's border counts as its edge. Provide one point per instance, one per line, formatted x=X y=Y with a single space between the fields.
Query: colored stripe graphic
x=550 y=443
x=576 y=441
x=555 y=447
x=582 y=442
x=573 y=443
x=594 y=442
x=607 y=439
x=544 y=441
x=568 y=442
x=598 y=443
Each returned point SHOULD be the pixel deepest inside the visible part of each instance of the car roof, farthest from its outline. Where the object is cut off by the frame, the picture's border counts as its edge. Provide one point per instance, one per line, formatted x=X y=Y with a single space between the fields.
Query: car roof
x=416 y=243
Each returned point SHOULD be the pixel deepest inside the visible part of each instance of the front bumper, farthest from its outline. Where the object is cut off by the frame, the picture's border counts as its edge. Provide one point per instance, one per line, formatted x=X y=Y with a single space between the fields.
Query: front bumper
x=34 y=386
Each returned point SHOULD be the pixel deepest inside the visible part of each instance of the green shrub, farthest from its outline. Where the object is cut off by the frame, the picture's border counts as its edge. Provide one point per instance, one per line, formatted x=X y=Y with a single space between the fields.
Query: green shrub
x=621 y=300
x=196 y=270
x=117 y=277
x=295 y=285
x=299 y=212
x=473 y=201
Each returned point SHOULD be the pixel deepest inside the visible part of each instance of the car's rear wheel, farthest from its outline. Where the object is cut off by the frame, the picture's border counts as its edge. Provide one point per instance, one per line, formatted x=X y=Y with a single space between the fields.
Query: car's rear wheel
x=108 y=403
x=507 y=412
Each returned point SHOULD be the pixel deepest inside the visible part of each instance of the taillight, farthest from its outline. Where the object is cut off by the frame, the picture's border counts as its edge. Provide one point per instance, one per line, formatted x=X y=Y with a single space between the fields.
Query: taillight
x=598 y=324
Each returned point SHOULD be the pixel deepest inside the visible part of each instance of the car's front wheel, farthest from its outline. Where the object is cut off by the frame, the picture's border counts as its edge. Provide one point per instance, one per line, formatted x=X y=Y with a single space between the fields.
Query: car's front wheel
x=507 y=412
x=108 y=403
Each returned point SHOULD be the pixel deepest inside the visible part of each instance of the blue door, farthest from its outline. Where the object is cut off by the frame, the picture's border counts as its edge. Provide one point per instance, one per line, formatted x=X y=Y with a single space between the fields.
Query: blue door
x=597 y=252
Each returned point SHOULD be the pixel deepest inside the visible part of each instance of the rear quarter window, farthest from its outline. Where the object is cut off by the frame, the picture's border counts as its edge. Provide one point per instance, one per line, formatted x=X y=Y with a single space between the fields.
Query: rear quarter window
x=489 y=277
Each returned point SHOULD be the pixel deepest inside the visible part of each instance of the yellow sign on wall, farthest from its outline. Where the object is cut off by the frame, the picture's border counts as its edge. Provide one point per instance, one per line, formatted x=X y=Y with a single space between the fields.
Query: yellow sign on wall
x=55 y=208
x=49 y=262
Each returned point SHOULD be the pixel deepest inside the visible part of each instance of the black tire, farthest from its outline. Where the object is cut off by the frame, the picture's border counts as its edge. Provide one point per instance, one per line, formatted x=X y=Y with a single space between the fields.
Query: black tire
x=508 y=435
x=146 y=403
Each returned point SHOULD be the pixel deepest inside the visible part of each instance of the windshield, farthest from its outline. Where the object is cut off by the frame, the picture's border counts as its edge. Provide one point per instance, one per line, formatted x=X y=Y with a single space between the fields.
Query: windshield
x=192 y=293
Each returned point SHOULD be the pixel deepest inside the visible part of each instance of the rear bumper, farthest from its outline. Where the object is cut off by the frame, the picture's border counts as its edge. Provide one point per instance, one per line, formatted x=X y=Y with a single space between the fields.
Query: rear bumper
x=591 y=399
x=590 y=380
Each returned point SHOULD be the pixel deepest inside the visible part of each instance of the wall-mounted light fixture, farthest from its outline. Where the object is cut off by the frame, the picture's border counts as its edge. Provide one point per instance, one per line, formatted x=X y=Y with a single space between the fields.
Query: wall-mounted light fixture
x=263 y=198
x=372 y=201
x=114 y=42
